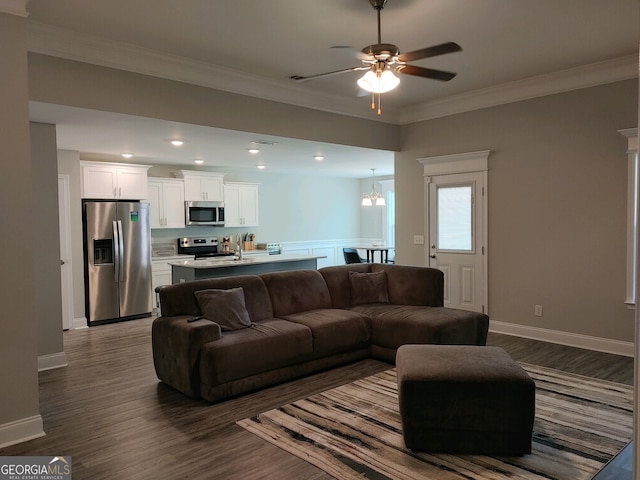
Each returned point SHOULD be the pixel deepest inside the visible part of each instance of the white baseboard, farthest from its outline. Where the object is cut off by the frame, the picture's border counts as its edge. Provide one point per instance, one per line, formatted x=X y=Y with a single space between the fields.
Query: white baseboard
x=563 y=338
x=79 y=323
x=54 y=360
x=21 y=431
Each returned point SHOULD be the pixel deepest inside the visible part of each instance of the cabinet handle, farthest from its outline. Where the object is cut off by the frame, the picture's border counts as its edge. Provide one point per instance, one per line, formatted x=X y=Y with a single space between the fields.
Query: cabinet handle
x=115 y=192
x=120 y=192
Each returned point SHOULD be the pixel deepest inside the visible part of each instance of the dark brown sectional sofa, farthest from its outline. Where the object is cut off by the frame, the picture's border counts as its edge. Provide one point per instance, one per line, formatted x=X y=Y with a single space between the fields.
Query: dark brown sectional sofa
x=302 y=322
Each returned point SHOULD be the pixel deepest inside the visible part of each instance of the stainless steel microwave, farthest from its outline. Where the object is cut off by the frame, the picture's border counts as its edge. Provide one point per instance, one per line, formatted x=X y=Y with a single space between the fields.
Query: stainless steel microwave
x=204 y=213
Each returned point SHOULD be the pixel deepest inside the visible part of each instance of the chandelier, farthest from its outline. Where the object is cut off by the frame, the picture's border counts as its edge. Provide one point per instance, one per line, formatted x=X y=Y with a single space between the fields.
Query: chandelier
x=373 y=197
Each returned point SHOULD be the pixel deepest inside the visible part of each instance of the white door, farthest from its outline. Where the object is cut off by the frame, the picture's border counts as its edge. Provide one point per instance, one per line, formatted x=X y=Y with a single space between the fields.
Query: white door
x=456 y=237
x=64 y=219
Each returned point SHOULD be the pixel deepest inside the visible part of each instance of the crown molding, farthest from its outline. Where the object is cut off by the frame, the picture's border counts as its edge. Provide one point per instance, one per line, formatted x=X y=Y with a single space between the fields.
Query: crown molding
x=57 y=42
x=623 y=68
x=14 y=7
x=53 y=41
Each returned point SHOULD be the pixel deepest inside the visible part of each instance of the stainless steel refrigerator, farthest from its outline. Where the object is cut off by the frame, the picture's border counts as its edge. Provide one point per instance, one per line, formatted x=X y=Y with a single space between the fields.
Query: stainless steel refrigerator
x=117 y=267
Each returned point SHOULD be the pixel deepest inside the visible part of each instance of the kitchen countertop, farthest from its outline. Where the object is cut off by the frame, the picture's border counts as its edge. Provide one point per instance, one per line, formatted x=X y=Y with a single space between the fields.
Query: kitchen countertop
x=168 y=258
x=252 y=260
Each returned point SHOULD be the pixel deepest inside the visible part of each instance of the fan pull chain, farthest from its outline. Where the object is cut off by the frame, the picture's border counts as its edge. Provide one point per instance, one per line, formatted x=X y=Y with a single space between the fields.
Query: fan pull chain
x=373 y=103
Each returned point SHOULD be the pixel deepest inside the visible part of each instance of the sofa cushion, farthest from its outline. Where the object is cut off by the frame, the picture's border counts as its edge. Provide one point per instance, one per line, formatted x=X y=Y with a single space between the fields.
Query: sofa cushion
x=337 y=280
x=265 y=346
x=396 y=325
x=179 y=299
x=409 y=285
x=296 y=291
x=225 y=307
x=334 y=330
x=368 y=288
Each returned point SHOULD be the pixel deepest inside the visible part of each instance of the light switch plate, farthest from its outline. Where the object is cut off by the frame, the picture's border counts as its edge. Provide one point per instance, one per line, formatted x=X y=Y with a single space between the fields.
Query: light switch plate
x=418 y=239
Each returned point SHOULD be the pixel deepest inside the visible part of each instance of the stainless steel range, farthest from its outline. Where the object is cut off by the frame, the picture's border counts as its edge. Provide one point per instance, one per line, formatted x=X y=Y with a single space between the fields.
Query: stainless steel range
x=201 y=247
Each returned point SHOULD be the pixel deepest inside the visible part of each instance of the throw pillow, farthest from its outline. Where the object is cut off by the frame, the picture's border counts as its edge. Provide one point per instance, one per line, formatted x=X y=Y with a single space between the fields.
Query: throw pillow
x=225 y=307
x=368 y=288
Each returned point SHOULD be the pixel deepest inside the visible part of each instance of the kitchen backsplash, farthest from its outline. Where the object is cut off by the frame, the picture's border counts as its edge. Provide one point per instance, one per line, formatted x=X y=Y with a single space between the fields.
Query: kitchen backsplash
x=160 y=249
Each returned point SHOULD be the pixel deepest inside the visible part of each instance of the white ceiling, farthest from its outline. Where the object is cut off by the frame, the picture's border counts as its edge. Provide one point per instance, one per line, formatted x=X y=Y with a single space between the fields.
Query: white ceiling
x=512 y=49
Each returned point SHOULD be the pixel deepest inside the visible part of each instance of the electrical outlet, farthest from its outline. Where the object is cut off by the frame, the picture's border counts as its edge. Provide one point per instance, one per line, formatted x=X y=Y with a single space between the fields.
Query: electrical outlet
x=418 y=239
x=537 y=310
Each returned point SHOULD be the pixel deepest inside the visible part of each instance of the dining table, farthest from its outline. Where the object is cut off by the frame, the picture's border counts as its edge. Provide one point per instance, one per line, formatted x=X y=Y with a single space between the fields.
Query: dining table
x=371 y=251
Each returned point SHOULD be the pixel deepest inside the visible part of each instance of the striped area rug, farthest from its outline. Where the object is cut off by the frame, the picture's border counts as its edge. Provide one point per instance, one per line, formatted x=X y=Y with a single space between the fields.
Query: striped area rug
x=354 y=432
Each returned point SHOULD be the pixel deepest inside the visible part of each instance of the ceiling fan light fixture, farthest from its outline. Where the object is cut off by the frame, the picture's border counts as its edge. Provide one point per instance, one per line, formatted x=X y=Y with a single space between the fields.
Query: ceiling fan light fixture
x=378 y=82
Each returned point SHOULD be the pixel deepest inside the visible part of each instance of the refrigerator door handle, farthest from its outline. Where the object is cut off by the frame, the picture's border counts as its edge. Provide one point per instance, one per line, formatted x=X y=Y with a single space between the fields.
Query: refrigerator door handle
x=120 y=252
x=116 y=252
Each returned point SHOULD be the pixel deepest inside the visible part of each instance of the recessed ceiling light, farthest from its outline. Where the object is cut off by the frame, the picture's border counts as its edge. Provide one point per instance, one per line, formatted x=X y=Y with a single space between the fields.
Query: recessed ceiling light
x=199 y=161
x=127 y=155
x=177 y=143
x=261 y=167
x=318 y=157
x=254 y=150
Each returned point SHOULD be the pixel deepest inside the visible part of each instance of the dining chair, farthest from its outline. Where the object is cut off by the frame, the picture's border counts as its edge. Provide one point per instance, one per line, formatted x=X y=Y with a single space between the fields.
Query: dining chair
x=351 y=256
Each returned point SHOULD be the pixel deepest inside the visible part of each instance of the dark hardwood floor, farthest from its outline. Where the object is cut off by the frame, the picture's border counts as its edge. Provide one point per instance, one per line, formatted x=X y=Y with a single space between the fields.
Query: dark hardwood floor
x=109 y=412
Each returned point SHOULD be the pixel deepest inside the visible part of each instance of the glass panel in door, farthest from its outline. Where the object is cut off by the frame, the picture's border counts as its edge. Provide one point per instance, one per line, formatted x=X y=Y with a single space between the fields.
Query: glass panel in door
x=455 y=218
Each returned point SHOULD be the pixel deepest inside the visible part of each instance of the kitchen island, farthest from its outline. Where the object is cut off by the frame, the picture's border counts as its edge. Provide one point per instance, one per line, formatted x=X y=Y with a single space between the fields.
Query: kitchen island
x=188 y=270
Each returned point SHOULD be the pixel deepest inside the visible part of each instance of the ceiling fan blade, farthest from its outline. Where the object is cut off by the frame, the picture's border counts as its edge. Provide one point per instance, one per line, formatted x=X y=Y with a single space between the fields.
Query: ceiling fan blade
x=352 y=52
x=427 y=73
x=300 y=78
x=434 y=51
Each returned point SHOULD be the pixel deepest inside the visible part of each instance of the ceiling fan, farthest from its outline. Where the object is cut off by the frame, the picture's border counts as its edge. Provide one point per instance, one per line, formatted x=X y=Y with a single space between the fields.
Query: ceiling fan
x=381 y=60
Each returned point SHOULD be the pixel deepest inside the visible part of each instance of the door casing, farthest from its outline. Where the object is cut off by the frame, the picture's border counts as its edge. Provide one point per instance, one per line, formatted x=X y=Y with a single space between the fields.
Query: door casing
x=468 y=162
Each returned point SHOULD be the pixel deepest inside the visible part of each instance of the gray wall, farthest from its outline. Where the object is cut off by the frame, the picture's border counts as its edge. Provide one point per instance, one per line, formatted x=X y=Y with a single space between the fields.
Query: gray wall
x=46 y=252
x=18 y=321
x=66 y=82
x=557 y=204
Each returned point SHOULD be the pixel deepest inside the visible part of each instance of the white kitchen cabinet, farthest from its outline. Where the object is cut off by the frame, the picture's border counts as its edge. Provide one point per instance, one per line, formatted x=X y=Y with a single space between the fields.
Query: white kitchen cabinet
x=120 y=181
x=240 y=204
x=160 y=275
x=166 y=203
x=199 y=186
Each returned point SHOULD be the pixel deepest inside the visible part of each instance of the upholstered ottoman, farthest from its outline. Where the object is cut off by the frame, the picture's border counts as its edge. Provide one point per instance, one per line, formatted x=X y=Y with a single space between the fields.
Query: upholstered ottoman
x=464 y=399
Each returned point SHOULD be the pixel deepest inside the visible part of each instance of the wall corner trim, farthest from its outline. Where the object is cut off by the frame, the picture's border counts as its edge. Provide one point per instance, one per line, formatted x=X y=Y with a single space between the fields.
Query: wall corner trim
x=21 y=430
x=51 y=361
